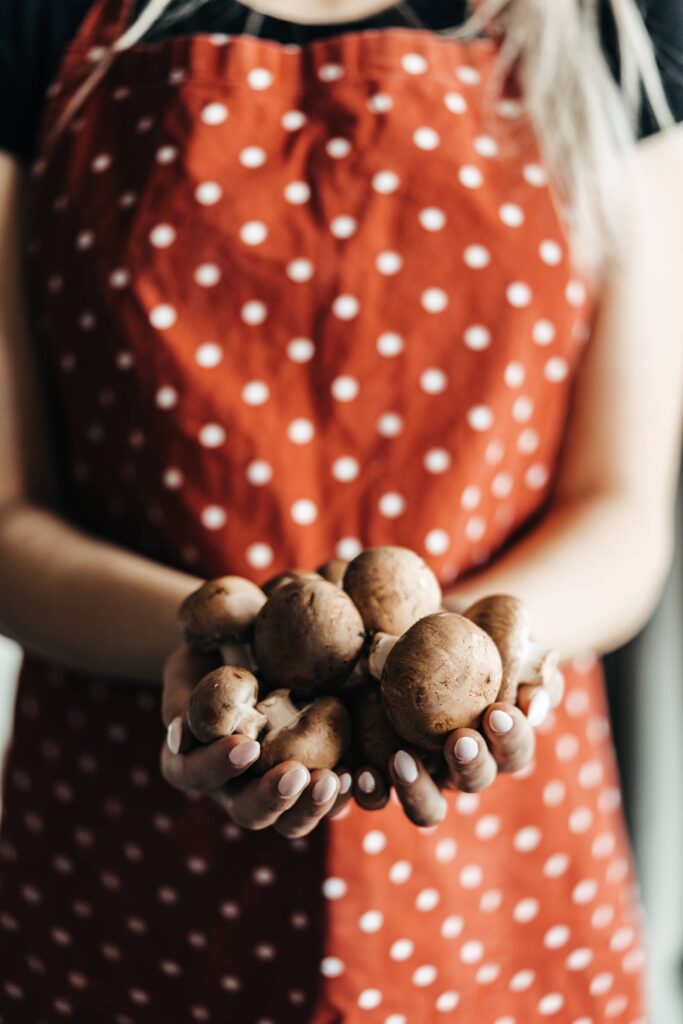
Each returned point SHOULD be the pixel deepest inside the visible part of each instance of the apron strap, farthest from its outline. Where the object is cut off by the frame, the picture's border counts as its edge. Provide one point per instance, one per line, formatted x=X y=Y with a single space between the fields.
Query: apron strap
x=105 y=21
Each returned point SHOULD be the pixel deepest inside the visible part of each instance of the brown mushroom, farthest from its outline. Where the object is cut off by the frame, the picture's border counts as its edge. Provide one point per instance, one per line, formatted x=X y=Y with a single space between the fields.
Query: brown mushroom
x=333 y=571
x=392 y=587
x=224 y=702
x=441 y=675
x=506 y=620
x=308 y=636
x=291 y=576
x=373 y=734
x=317 y=733
x=220 y=611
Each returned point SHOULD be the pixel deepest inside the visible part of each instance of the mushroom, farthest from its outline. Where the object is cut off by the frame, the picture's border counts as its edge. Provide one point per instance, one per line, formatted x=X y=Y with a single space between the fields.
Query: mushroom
x=506 y=620
x=308 y=636
x=224 y=702
x=291 y=576
x=373 y=733
x=382 y=644
x=333 y=571
x=317 y=734
x=439 y=676
x=392 y=587
x=219 y=612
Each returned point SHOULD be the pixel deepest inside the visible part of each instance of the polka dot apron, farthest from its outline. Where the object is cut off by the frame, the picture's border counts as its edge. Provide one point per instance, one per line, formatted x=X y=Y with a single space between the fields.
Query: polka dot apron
x=293 y=301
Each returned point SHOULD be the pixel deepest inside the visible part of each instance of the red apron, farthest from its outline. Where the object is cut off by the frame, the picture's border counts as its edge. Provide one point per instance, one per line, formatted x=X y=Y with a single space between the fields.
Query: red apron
x=295 y=301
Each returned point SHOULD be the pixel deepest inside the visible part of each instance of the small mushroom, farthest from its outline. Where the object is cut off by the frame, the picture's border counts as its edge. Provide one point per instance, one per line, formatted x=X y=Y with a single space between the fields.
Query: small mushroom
x=506 y=620
x=308 y=636
x=392 y=587
x=373 y=733
x=333 y=571
x=220 y=611
x=381 y=645
x=224 y=702
x=440 y=675
x=316 y=733
x=291 y=576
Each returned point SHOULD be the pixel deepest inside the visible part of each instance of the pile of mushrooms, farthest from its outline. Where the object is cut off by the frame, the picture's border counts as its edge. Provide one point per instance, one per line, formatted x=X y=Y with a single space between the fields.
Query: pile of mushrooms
x=360 y=648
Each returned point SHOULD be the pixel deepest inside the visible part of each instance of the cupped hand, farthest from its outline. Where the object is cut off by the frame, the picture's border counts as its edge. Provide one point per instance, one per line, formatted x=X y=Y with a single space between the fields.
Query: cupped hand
x=289 y=797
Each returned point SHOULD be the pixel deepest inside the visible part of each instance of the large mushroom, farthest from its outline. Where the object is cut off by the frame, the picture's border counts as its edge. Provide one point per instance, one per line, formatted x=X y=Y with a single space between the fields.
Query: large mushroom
x=223 y=703
x=439 y=676
x=290 y=576
x=333 y=571
x=392 y=587
x=308 y=636
x=220 y=613
x=316 y=733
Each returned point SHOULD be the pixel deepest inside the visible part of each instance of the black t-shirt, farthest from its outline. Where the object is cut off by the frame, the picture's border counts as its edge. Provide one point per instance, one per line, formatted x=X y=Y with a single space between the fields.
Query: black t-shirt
x=35 y=33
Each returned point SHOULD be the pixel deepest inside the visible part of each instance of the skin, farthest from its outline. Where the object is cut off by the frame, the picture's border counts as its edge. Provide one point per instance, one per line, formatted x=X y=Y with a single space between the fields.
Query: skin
x=611 y=517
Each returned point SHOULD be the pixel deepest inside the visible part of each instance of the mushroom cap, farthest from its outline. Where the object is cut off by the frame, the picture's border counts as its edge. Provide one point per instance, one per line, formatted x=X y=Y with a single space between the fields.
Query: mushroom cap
x=506 y=620
x=441 y=675
x=316 y=734
x=392 y=587
x=373 y=733
x=308 y=636
x=221 y=609
x=291 y=576
x=333 y=571
x=223 y=703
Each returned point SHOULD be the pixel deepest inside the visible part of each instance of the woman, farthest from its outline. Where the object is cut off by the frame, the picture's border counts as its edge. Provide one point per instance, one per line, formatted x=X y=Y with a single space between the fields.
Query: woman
x=300 y=285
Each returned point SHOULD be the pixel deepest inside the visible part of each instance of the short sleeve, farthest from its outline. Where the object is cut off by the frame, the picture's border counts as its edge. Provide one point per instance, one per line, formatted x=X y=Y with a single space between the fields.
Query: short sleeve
x=33 y=36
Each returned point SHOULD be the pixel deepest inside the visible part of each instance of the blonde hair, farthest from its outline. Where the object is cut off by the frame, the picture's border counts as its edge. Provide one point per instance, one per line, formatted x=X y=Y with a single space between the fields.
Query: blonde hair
x=583 y=119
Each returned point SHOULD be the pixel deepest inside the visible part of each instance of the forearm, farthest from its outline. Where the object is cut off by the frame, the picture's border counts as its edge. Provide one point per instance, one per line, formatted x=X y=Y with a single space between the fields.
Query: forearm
x=82 y=601
x=590 y=574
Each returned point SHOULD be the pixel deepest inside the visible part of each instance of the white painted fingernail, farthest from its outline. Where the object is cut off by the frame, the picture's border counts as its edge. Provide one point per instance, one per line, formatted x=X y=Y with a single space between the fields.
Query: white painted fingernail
x=292 y=782
x=345 y=781
x=244 y=753
x=500 y=721
x=366 y=782
x=324 y=790
x=466 y=749
x=538 y=708
x=175 y=735
x=405 y=767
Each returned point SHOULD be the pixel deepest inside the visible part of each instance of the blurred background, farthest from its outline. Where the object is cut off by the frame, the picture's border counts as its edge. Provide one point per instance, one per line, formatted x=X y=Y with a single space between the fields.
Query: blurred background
x=645 y=686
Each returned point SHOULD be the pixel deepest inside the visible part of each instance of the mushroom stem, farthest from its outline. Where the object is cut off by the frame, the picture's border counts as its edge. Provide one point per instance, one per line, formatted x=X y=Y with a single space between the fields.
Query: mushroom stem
x=382 y=644
x=537 y=664
x=238 y=655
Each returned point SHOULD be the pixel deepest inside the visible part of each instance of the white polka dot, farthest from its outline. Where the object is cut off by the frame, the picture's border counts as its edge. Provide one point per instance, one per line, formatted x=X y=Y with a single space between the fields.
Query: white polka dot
x=447 y=1001
x=554 y=793
x=477 y=337
x=527 y=839
x=584 y=892
x=580 y=820
x=446 y=850
x=173 y=478
x=119 y=278
x=470 y=176
x=338 y=148
x=579 y=959
x=255 y=392
x=468 y=74
x=432 y=218
x=471 y=876
x=213 y=517
x=556 y=369
x=300 y=350
x=400 y=872
x=414 y=63
x=209 y=354
x=259 y=556
x=392 y=505
x=215 y=113
x=334 y=888
x=331 y=967
x=487 y=827
x=254 y=312
x=528 y=441
x=615 y=1007
x=633 y=961
x=345 y=468
x=369 y=999
x=346 y=307
x=300 y=431
x=556 y=937
x=575 y=293
x=486 y=146
x=511 y=215
x=477 y=256
x=297 y=192
x=390 y=344
x=426 y=138
x=601 y=984
x=487 y=974
x=556 y=865
x=344 y=388
x=292 y=120
x=371 y=921
x=162 y=236
x=380 y=103
x=259 y=472
x=208 y=193
x=452 y=927
x=433 y=381
x=471 y=952
x=543 y=332
x=437 y=542
x=490 y=901
x=389 y=263
x=330 y=72
x=536 y=477
x=471 y=497
x=385 y=182
x=550 y=1004
x=535 y=175
x=424 y=975
x=434 y=300
x=401 y=949
x=522 y=980
x=343 y=226
x=252 y=156
x=207 y=275
x=522 y=409
x=455 y=102
x=253 y=232
x=526 y=910
x=437 y=460
x=259 y=78
x=550 y=252
x=374 y=841
x=502 y=485
x=162 y=317
x=390 y=424
x=212 y=435
x=304 y=512
x=101 y=163
x=622 y=939
x=480 y=417
x=518 y=294
x=166 y=398
x=166 y=155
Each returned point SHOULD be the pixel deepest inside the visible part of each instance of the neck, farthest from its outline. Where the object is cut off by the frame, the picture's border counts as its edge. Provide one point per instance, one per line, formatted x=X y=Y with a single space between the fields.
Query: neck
x=321 y=12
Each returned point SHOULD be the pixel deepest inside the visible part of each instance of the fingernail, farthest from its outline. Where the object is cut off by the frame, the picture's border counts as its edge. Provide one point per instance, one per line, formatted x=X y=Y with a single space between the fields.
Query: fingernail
x=500 y=721
x=345 y=781
x=244 y=753
x=538 y=708
x=466 y=749
x=405 y=767
x=324 y=790
x=366 y=782
x=292 y=782
x=175 y=735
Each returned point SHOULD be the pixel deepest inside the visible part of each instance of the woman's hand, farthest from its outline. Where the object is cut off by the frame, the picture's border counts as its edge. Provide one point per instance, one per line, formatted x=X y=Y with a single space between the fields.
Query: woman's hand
x=471 y=759
x=288 y=797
